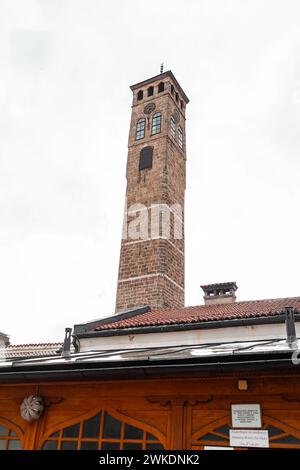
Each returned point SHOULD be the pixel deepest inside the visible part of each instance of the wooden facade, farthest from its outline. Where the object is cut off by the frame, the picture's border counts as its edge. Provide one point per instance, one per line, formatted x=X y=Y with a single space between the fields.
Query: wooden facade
x=177 y=413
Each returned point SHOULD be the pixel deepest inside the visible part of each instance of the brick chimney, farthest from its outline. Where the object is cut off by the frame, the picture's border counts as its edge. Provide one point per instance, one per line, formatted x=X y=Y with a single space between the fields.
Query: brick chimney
x=223 y=293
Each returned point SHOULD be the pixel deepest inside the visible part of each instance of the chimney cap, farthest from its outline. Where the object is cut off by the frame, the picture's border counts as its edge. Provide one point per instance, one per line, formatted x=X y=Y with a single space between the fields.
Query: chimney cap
x=221 y=293
x=220 y=285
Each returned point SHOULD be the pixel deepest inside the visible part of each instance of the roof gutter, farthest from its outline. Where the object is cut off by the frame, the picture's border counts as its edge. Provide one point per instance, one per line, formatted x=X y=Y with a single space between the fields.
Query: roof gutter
x=145 y=369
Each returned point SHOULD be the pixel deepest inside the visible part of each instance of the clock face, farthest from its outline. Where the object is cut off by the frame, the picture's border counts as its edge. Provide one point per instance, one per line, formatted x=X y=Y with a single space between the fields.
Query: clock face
x=176 y=116
x=149 y=108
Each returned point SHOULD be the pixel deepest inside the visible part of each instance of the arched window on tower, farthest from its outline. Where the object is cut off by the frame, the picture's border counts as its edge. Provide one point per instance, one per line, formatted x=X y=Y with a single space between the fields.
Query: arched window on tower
x=156 y=124
x=177 y=97
x=140 y=95
x=181 y=104
x=173 y=126
x=172 y=90
x=140 y=129
x=161 y=87
x=150 y=91
x=180 y=137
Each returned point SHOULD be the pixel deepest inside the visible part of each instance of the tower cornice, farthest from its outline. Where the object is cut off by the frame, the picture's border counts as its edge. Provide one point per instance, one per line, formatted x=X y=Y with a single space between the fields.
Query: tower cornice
x=161 y=76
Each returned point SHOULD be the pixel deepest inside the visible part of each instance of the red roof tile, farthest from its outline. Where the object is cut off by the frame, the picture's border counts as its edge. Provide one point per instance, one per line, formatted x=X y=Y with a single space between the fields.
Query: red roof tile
x=29 y=350
x=204 y=313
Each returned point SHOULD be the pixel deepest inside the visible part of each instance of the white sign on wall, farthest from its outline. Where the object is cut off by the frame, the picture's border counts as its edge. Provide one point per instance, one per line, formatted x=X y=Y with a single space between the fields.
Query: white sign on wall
x=217 y=448
x=249 y=438
x=246 y=416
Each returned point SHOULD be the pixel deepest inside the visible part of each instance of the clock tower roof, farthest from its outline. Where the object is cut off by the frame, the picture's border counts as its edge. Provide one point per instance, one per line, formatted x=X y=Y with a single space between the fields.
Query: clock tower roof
x=161 y=76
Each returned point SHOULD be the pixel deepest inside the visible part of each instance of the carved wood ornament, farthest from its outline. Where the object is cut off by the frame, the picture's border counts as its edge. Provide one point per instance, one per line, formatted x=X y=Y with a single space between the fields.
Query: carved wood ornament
x=32 y=407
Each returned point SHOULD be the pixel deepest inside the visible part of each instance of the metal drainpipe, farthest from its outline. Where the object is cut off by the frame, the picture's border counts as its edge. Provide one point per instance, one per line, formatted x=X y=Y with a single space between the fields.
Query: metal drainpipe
x=291 y=337
x=66 y=349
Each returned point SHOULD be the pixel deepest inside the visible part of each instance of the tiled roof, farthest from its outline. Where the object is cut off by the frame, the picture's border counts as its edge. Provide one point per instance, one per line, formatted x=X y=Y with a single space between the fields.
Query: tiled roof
x=29 y=350
x=205 y=313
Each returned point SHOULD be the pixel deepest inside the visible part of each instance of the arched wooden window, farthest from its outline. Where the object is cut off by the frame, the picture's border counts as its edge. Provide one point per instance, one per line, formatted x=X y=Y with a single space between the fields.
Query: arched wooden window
x=161 y=87
x=281 y=435
x=156 y=124
x=140 y=129
x=107 y=430
x=150 y=91
x=173 y=126
x=140 y=95
x=180 y=137
x=10 y=439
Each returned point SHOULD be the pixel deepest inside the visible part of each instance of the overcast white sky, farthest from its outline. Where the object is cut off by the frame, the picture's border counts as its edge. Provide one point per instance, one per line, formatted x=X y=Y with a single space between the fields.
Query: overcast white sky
x=65 y=71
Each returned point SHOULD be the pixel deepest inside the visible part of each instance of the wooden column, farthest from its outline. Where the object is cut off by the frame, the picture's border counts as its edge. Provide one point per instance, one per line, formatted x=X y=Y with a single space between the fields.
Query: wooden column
x=176 y=434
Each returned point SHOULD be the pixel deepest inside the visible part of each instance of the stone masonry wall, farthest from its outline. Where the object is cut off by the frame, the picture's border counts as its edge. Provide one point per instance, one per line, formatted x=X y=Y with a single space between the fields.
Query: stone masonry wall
x=151 y=271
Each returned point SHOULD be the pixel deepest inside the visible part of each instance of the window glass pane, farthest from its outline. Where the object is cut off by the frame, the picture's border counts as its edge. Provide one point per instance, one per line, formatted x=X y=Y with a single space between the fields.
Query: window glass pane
x=132 y=432
x=14 y=445
x=69 y=445
x=150 y=437
x=89 y=446
x=212 y=437
x=173 y=126
x=50 y=445
x=140 y=129
x=156 y=123
x=2 y=445
x=154 y=447
x=223 y=430
x=56 y=434
x=91 y=427
x=180 y=137
x=3 y=431
x=110 y=445
x=287 y=440
x=72 y=431
x=273 y=431
x=112 y=427
x=132 y=446
x=13 y=433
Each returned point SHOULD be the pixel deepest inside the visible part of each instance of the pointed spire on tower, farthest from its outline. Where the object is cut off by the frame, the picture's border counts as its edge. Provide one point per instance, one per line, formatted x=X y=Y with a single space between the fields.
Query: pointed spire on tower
x=161 y=67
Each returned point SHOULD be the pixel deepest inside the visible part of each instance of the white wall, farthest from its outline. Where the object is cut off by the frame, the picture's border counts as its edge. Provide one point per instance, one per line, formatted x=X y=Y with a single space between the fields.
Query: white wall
x=189 y=337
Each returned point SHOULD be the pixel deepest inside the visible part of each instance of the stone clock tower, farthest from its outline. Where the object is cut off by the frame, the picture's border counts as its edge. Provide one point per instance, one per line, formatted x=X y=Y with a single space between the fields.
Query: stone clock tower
x=151 y=270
